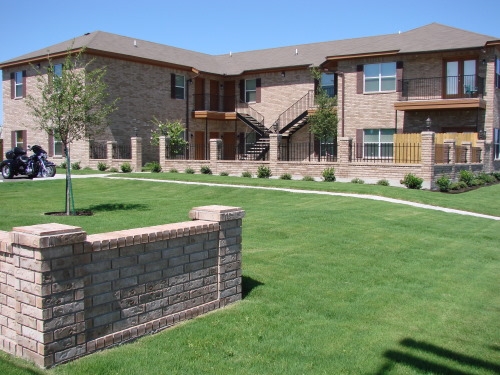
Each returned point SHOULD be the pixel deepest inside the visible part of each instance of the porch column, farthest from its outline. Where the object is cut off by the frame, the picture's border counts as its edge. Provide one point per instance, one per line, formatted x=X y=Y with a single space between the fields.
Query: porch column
x=428 y=159
x=136 y=153
x=468 y=151
x=485 y=155
x=451 y=143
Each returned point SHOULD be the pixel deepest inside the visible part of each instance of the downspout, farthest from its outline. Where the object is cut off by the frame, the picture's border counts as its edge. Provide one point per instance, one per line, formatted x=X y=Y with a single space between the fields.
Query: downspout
x=341 y=74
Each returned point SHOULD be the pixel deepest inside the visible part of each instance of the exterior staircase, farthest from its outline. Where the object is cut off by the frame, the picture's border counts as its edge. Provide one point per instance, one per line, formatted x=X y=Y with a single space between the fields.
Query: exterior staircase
x=257 y=151
x=296 y=116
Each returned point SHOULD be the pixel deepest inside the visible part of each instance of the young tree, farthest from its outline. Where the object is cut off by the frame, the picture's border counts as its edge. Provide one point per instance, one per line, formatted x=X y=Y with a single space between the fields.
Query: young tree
x=72 y=104
x=323 y=122
x=173 y=130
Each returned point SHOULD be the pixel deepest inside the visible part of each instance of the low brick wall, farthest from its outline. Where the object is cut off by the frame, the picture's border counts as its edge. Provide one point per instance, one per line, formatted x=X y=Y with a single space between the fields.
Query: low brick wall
x=65 y=294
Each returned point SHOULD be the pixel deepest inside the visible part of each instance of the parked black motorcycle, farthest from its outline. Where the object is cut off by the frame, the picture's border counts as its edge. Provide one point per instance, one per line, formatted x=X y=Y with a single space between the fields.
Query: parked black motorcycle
x=18 y=163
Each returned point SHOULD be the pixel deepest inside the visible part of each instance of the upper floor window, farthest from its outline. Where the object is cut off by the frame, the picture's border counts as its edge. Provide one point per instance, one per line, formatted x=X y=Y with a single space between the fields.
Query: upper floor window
x=177 y=86
x=496 y=142
x=250 y=90
x=18 y=84
x=497 y=72
x=58 y=69
x=328 y=83
x=461 y=78
x=380 y=77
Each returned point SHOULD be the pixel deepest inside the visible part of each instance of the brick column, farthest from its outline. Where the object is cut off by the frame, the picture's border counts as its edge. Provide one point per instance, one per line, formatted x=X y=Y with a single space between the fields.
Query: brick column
x=109 y=152
x=229 y=262
x=428 y=159
x=215 y=149
x=344 y=150
x=468 y=151
x=49 y=298
x=162 y=154
x=136 y=153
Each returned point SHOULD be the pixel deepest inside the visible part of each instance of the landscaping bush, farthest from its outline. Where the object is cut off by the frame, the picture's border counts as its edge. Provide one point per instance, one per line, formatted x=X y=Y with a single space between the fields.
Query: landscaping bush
x=496 y=175
x=466 y=176
x=102 y=166
x=224 y=173
x=155 y=167
x=383 y=182
x=487 y=178
x=286 y=176
x=329 y=174
x=113 y=170
x=126 y=168
x=308 y=178
x=63 y=165
x=458 y=185
x=412 y=182
x=76 y=166
x=357 y=181
x=263 y=172
x=443 y=183
x=189 y=170
x=173 y=170
x=205 y=169
x=246 y=174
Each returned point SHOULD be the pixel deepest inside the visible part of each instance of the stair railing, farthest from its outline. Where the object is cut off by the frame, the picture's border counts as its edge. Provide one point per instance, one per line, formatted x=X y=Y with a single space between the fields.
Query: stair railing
x=294 y=111
x=245 y=108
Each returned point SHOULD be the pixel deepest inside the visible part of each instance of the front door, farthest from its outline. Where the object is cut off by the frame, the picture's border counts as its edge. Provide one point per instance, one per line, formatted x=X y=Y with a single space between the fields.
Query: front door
x=229 y=145
x=199 y=145
x=214 y=95
x=460 y=79
x=229 y=97
x=199 y=94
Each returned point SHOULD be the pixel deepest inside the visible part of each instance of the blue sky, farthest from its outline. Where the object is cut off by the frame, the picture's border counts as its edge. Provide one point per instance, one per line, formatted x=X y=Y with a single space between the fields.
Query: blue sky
x=222 y=26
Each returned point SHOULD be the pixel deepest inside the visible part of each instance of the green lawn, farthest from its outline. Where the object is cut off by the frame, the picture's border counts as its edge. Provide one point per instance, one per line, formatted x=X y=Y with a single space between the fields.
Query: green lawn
x=332 y=285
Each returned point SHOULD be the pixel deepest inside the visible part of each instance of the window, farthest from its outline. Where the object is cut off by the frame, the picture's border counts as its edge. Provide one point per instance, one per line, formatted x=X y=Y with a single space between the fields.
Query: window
x=58 y=146
x=380 y=77
x=18 y=138
x=58 y=68
x=497 y=72
x=328 y=147
x=496 y=143
x=328 y=83
x=177 y=86
x=19 y=82
x=378 y=143
x=461 y=78
x=250 y=90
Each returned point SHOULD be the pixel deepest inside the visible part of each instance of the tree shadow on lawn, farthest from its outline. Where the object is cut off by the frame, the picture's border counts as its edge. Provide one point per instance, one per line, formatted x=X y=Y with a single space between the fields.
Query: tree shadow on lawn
x=249 y=284
x=117 y=207
x=398 y=356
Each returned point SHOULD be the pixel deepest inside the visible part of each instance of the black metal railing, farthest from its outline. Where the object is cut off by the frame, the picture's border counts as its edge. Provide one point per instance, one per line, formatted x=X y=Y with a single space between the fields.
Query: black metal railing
x=122 y=151
x=295 y=111
x=305 y=151
x=246 y=109
x=98 y=150
x=216 y=103
x=463 y=86
x=386 y=153
x=187 y=152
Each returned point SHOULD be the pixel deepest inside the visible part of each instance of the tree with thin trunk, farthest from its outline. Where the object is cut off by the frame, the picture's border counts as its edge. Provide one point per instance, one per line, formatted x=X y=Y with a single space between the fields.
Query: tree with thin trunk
x=72 y=104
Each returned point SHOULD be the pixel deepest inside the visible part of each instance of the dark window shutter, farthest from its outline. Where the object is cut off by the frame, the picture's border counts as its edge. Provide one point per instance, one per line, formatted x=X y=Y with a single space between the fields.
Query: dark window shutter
x=258 y=84
x=25 y=139
x=360 y=78
x=24 y=83
x=242 y=90
x=172 y=85
x=12 y=139
x=12 y=85
x=399 y=76
x=51 y=145
x=359 y=143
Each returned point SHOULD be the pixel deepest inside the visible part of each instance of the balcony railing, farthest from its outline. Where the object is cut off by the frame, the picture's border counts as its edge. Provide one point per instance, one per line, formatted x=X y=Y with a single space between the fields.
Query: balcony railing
x=452 y=87
x=217 y=103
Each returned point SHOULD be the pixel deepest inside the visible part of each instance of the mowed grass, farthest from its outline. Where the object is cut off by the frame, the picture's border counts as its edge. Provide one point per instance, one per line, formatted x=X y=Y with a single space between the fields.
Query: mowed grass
x=332 y=285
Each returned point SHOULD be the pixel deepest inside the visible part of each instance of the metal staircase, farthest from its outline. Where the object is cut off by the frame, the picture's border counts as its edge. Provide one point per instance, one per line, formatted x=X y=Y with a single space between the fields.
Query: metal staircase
x=296 y=116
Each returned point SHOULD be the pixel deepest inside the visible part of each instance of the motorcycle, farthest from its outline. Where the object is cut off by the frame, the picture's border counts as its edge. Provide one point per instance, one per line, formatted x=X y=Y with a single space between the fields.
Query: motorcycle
x=18 y=163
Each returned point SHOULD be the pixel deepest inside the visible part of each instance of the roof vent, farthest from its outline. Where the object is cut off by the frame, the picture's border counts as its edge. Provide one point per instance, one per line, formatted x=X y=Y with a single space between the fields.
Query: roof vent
x=296 y=51
x=135 y=43
x=86 y=34
x=230 y=54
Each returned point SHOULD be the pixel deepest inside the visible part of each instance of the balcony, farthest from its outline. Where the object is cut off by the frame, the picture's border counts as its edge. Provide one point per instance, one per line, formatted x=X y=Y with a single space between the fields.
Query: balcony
x=214 y=107
x=464 y=91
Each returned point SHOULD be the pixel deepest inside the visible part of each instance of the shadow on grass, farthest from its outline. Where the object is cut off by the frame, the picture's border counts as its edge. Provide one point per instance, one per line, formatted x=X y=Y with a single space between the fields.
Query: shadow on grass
x=116 y=207
x=11 y=365
x=413 y=360
x=248 y=285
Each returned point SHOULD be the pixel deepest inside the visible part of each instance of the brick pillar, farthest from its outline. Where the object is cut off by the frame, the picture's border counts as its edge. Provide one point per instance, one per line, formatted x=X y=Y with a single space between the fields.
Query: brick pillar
x=428 y=159
x=162 y=154
x=451 y=143
x=344 y=150
x=229 y=259
x=109 y=152
x=485 y=155
x=468 y=151
x=274 y=152
x=49 y=298
x=136 y=153
x=215 y=149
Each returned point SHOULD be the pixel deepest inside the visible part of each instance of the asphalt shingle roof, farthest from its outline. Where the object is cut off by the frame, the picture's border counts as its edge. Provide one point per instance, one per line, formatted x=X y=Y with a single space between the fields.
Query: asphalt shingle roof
x=432 y=37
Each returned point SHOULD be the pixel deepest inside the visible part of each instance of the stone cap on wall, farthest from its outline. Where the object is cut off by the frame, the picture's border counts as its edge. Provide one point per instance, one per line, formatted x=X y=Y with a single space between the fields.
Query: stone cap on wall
x=216 y=213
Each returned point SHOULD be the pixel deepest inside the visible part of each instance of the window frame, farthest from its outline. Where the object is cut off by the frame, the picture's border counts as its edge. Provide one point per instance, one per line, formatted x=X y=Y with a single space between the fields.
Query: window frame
x=249 y=91
x=330 y=88
x=180 y=91
x=19 y=84
x=380 y=77
x=497 y=72
x=496 y=143
x=380 y=145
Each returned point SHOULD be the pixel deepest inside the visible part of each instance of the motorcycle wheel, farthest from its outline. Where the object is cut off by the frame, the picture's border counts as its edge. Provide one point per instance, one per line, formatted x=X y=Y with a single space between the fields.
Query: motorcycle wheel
x=7 y=171
x=49 y=171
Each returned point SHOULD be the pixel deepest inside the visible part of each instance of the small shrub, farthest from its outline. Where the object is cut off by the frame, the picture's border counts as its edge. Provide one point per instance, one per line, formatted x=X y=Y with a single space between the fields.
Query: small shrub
x=477 y=182
x=383 y=182
x=443 y=183
x=263 y=172
x=329 y=174
x=126 y=168
x=357 y=181
x=173 y=170
x=496 y=175
x=458 y=185
x=155 y=167
x=487 y=178
x=113 y=170
x=412 y=182
x=63 y=165
x=189 y=170
x=76 y=166
x=308 y=178
x=205 y=169
x=286 y=176
x=466 y=176
x=246 y=174
x=224 y=173
x=102 y=166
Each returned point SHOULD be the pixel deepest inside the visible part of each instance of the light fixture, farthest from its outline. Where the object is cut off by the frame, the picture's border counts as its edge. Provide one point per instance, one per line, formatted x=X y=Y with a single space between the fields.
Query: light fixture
x=484 y=61
x=283 y=74
x=428 y=123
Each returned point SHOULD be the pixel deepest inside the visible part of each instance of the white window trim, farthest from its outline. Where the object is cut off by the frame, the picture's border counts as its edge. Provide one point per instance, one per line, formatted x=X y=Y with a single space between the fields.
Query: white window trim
x=18 y=84
x=379 y=143
x=183 y=87
x=248 y=91
x=380 y=77
x=496 y=143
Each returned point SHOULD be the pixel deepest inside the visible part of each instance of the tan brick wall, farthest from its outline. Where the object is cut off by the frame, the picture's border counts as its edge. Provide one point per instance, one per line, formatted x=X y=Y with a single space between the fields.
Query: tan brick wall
x=64 y=294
